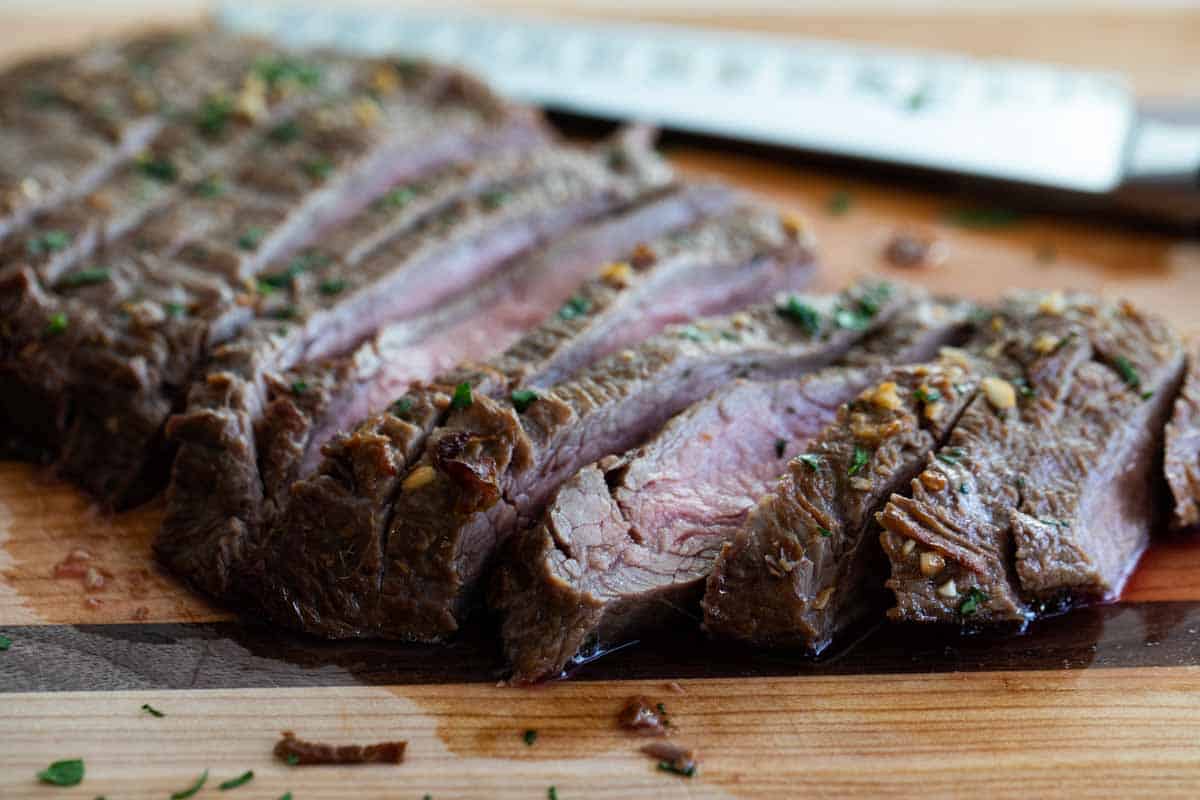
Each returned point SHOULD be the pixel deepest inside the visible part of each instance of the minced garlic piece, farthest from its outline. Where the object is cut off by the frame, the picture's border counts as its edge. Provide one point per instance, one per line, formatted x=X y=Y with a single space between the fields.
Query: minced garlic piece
x=948 y=589
x=1046 y=344
x=421 y=476
x=822 y=598
x=617 y=274
x=1000 y=393
x=932 y=564
x=251 y=102
x=884 y=395
x=385 y=80
x=956 y=355
x=1053 y=303
x=366 y=111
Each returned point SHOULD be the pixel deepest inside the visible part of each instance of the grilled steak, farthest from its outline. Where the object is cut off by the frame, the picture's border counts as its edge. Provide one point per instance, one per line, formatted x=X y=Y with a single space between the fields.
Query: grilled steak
x=175 y=285
x=1046 y=490
x=1182 y=461
x=477 y=225
x=491 y=470
x=806 y=564
x=337 y=519
x=628 y=541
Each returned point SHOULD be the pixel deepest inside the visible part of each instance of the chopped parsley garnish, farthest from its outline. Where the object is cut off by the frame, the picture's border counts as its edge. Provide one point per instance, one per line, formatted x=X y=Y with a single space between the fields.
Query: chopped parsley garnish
x=850 y=319
x=175 y=309
x=950 y=455
x=318 y=169
x=280 y=69
x=49 y=242
x=288 y=796
x=57 y=324
x=495 y=198
x=811 y=461
x=251 y=238
x=530 y=736
x=462 y=396
x=397 y=198
x=577 y=306
x=84 y=277
x=299 y=264
x=299 y=387
x=801 y=313
x=964 y=488
x=552 y=793
x=1023 y=387
x=240 y=780
x=918 y=99
x=287 y=312
x=401 y=407
x=152 y=711
x=160 y=169
x=5 y=643
x=213 y=115
x=984 y=217
x=332 y=286
x=861 y=457
x=1128 y=374
x=184 y=794
x=284 y=132
x=839 y=203
x=825 y=532
x=670 y=766
x=522 y=398
x=63 y=773
x=691 y=333
x=211 y=186
x=292 y=759
x=780 y=447
x=927 y=395
x=971 y=603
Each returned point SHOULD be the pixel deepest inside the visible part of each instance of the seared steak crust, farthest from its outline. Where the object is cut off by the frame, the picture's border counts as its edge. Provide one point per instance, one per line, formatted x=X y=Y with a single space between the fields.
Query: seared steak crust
x=1183 y=449
x=1047 y=489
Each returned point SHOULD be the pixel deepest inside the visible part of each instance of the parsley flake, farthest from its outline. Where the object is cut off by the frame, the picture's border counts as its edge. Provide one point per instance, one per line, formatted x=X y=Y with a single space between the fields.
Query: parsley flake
x=780 y=447
x=552 y=793
x=522 y=399
x=1128 y=374
x=211 y=186
x=332 y=286
x=577 y=306
x=850 y=319
x=152 y=711
x=213 y=115
x=318 y=169
x=493 y=199
x=160 y=169
x=49 y=242
x=950 y=456
x=811 y=461
x=530 y=736
x=670 y=766
x=927 y=395
x=288 y=796
x=284 y=132
x=63 y=773
x=240 y=780
x=825 y=532
x=801 y=313
x=5 y=643
x=462 y=396
x=57 y=324
x=292 y=759
x=401 y=407
x=184 y=794
x=287 y=69
x=84 y=277
x=861 y=457
x=251 y=238
x=970 y=605
x=299 y=387
x=839 y=203
x=397 y=198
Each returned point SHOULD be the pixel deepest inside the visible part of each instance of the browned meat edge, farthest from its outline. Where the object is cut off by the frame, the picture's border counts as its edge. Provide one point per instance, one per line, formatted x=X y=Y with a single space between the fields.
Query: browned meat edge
x=1182 y=460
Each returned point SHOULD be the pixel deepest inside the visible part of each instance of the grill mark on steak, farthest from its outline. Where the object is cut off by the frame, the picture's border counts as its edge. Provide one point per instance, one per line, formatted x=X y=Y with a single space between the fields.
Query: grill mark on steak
x=628 y=542
x=1182 y=459
x=466 y=236
x=1062 y=486
x=434 y=555
x=326 y=493
x=106 y=427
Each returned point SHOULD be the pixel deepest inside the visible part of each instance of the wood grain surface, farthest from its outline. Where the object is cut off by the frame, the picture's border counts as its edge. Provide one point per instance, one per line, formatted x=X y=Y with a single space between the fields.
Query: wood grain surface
x=1103 y=702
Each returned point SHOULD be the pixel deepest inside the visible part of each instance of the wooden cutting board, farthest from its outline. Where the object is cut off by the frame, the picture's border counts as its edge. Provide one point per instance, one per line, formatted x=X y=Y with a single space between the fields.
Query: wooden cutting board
x=1101 y=702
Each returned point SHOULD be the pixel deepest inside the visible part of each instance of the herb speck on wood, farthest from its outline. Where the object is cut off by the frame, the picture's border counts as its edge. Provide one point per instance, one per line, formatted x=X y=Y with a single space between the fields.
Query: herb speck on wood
x=152 y=711
x=68 y=772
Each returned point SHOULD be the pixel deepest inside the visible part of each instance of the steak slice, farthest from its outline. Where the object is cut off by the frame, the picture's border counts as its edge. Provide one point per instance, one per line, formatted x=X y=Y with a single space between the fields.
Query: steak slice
x=1182 y=461
x=1047 y=489
x=510 y=209
x=175 y=286
x=66 y=123
x=344 y=508
x=627 y=543
x=491 y=470
x=806 y=564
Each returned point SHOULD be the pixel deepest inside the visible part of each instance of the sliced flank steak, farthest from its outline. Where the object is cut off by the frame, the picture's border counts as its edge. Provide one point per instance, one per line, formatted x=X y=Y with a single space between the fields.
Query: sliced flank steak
x=1047 y=489
x=806 y=564
x=491 y=470
x=435 y=241
x=336 y=520
x=155 y=302
x=1182 y=461
x=628 y=541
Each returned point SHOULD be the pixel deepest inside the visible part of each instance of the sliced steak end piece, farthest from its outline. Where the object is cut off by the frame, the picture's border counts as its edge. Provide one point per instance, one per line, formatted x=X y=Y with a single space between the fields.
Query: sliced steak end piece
x=1183 y=449
x=1047 y=490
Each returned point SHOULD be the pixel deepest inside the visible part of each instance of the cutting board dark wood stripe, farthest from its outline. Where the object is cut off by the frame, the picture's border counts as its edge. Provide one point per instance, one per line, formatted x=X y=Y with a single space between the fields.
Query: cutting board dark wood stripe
x=227 y=655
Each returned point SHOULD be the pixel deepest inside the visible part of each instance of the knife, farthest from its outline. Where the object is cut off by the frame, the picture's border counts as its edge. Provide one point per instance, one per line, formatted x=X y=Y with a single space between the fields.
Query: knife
x=1074 y=135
